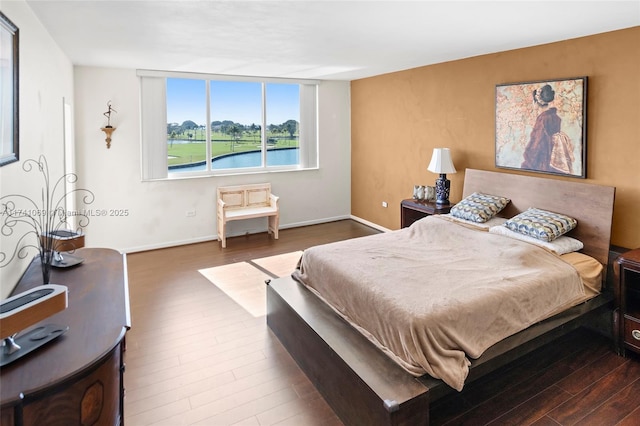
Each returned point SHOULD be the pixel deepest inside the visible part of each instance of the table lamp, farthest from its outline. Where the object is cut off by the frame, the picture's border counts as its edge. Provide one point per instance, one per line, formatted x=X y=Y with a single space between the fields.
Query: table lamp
x=441 y=163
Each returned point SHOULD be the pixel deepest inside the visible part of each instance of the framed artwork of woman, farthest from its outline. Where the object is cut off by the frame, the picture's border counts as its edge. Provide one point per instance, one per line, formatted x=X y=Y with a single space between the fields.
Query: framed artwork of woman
x=540 y=126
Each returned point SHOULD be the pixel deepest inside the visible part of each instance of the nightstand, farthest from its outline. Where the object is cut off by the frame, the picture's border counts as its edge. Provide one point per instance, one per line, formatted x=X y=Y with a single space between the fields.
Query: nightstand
x=412 y=210
x=628 y=301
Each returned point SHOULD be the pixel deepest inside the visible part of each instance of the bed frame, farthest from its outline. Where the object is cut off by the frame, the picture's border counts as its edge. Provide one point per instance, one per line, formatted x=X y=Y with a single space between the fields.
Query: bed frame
x=364 y=386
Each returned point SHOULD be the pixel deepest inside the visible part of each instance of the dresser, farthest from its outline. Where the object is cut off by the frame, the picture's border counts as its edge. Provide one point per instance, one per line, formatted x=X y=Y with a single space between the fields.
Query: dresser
x=76 y=379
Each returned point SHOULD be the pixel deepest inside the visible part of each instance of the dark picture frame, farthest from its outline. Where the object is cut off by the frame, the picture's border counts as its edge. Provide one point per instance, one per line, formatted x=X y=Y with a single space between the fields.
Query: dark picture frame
x=9 y=102
x=541 y=126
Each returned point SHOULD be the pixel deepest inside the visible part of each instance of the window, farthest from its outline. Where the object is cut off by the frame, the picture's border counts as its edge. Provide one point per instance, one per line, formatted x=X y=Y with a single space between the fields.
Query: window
x=195 y=125
x=186 y=124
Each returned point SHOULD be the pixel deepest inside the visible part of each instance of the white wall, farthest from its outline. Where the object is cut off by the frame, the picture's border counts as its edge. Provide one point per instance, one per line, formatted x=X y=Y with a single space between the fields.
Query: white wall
x=46 y=78
x=156 y=210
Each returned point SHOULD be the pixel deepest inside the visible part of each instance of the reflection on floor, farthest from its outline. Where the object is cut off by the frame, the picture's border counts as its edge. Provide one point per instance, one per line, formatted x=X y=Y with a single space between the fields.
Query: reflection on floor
x=244 y=282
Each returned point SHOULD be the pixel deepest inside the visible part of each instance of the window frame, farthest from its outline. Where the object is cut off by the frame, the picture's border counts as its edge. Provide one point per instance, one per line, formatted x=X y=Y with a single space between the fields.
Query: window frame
x=153 y=93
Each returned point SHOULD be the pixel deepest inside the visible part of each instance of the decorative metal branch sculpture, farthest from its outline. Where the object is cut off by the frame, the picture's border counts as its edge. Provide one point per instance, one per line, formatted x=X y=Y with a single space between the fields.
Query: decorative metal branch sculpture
x=40 y=220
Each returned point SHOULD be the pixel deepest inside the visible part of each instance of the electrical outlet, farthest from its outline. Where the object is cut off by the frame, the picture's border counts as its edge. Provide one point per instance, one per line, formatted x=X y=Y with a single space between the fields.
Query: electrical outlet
x=384 y=204
x=190 y=213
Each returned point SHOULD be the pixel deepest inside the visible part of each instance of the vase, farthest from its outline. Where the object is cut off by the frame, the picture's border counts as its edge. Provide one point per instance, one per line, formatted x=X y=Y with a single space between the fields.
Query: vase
x=418 y=192
x=46 y=258
x=430 y=193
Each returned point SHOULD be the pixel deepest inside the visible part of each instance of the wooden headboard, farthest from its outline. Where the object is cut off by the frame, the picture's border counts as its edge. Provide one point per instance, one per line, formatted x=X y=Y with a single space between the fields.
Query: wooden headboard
x=591 y=205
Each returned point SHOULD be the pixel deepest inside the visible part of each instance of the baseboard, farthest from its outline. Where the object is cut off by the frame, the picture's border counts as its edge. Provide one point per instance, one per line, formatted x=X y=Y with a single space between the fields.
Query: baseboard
x=207 y=238
x=315 y=222
x=169 y=244
x=370 y=224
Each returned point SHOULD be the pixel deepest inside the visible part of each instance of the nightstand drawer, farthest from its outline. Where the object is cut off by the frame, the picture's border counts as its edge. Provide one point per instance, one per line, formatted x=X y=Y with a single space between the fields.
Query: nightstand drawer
x=632 y=333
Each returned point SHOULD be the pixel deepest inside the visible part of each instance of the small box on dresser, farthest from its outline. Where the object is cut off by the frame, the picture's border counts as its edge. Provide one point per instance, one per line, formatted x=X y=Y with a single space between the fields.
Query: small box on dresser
x=628 y=301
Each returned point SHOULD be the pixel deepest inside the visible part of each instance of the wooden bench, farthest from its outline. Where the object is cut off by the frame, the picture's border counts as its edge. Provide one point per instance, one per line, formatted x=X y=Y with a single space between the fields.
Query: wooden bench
x=246 y=202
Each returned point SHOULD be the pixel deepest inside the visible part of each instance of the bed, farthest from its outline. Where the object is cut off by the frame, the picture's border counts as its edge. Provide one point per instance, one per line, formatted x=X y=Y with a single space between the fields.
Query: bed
x=362 y=381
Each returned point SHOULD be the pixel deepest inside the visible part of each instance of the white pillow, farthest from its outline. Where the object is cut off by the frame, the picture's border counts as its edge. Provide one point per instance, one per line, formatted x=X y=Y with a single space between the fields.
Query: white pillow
x=560 y=245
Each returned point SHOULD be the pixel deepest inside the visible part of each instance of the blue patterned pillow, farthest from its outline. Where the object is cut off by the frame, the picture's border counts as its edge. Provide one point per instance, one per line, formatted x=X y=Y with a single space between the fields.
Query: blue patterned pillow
x=541 y=224
x=479 y=207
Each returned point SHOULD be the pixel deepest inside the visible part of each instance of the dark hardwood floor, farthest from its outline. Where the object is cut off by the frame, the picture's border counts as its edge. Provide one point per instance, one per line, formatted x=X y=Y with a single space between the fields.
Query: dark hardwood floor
x=577 y=381
x=194 y=356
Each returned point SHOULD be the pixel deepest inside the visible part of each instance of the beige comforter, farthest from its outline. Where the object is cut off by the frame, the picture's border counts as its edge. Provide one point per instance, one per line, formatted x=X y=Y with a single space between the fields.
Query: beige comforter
x=436 y=293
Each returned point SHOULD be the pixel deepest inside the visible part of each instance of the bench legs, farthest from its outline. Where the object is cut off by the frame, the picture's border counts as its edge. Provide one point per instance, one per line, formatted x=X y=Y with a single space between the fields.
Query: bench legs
x=274 y=223
x=222 y=233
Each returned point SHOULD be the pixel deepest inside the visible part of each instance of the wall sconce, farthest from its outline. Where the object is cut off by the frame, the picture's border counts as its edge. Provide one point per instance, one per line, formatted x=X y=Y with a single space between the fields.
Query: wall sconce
x=108 y=129
x=441 y=163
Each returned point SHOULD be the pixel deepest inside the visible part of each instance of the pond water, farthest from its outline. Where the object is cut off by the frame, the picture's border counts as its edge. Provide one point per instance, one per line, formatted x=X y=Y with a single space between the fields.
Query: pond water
x=276 y=157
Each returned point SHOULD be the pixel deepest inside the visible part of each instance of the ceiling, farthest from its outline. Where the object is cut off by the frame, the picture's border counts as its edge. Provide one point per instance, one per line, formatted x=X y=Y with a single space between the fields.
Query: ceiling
x=340 y=40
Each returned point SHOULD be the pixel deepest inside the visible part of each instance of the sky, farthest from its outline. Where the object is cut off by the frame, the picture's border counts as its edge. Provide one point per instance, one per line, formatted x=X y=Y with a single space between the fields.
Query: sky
x=231 y=100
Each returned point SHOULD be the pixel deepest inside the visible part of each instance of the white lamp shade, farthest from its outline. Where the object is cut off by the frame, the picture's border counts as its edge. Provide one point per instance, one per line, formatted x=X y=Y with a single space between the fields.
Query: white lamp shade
x=441 y=161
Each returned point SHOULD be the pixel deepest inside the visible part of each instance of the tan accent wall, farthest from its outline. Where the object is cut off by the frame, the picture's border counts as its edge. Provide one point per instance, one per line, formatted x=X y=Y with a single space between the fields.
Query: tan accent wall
x=398 y=118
